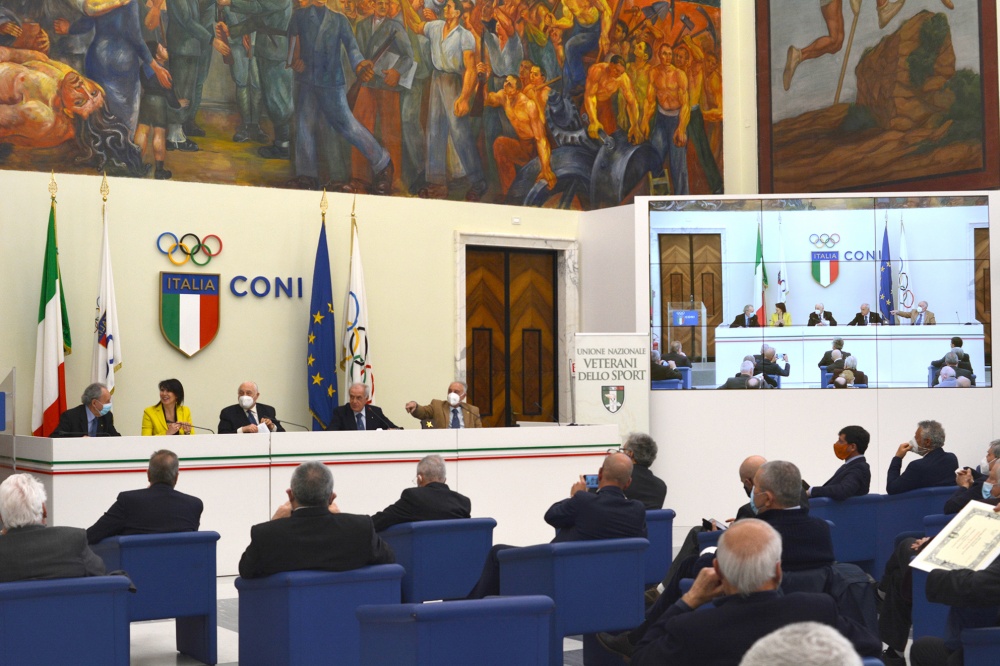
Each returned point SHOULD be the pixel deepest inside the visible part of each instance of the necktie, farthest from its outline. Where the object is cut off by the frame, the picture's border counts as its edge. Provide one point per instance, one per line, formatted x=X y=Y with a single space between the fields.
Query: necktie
x=455 y=423
x=920 y=319
x=251 y=417
x=360 y=419
x=93 y=428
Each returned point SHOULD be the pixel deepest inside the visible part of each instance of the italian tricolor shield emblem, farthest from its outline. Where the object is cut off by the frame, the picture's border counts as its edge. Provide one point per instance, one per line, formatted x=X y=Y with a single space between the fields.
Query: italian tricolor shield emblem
x=825 y=267
x=189 y=310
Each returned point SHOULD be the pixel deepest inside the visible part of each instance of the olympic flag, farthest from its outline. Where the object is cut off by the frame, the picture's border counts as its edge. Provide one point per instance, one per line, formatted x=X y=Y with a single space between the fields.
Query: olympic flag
x=783 y=288
x=321 y=360
x=107 y=358
x=905 y=283
x=53 y=341
x=357 y=359
x=759 y=278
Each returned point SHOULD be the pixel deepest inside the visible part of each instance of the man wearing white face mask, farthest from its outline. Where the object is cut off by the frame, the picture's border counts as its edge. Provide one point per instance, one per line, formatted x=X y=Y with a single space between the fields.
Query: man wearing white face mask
x=248 y=415
x=919 y=317
x=820 y=317
x=936 y=467
x=91 y=418
x=455 y=413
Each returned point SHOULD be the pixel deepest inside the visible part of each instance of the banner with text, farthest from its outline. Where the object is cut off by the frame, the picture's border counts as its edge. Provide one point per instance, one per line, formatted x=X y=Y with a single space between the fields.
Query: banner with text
x=611 y=380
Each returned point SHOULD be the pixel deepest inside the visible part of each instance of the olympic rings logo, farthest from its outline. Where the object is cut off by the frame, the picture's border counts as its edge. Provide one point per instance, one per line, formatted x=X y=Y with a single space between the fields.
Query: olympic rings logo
x=824 y=240
x=188 y=251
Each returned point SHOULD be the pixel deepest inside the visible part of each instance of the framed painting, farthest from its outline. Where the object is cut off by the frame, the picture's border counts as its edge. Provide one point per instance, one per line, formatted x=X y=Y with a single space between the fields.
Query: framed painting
x=869 y=95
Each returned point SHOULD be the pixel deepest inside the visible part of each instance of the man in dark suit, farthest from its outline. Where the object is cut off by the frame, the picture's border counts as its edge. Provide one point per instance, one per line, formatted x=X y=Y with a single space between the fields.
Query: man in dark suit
x=646 y=486
x=740 y=380
x=746 y=320
x=769 y=366
x=820 y=317
x=154 y=510
x=28 y=549
x=854 y=477
x=951 y=360
x=248 y=414
x=606 y=514
x=970 y=481
x=357 y=414
x=432 y=499
x=660 y=369
x=935 y=468
x=91 y=418
x=455 y=413
x=963 y=362
x=838 y=343
x=309 y=532
x=743 y=582
x=866 y=317
x=677 y=355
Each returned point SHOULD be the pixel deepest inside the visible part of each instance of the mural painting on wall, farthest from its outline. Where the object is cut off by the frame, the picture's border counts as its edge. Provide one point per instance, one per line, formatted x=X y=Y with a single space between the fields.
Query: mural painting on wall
x=877 y=95
x=557 y=103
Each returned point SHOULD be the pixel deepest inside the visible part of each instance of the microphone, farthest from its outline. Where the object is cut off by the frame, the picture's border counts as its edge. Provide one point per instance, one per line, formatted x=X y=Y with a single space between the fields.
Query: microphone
x=297 y=425
x=385 y=424
x=196 y=427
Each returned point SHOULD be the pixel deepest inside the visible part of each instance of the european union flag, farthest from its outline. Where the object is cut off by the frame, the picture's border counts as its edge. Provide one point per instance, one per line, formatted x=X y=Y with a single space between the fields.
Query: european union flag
x=885 y=302
x=322 y=349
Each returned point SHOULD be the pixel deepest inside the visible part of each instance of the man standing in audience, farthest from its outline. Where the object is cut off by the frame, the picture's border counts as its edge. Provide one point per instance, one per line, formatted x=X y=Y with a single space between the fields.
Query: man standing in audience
x=309 y=532
x=156 y=509
x=606 y=514
x=646 y=486
x=357 y=414
x=936 y=467
x=91 y=418
x=743 y=582
x=854 y=477
x=455 y=413
x=248 y=415
x=28 y=549
x=432 y=499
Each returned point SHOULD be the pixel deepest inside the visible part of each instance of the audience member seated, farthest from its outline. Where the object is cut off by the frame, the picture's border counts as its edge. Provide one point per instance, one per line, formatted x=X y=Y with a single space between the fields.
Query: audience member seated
x=781 y=316
x=28 y=549
x=248 y=414
x=169 y=416
x=836 y=364
x=963 y=382
x=153 y=510
x=936 y=467
x=453 y=413
x=677 y=355
x=358 y=413
x=951 y=361
x=865 y=317
x=606 y=514
x=660 y=369
x=971 y=482
x=743 y=583
x=962 y=589
x=646 y=486
x=802 y=643
x=91 y=418
x=838 y=343
x=840 y=383
x=963 y=362
x=820 y=317
x=432 y=499
x=746 y=319
x=946 y=378
x=740 y=380
x=309 y=532
x=851 y=372
x=768 y=366
x=854 y=477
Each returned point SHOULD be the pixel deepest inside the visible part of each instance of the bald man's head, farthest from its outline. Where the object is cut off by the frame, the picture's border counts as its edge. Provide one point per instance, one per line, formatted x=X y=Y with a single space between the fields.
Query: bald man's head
x=616 y=471
x=749 y=557
x=748 y=469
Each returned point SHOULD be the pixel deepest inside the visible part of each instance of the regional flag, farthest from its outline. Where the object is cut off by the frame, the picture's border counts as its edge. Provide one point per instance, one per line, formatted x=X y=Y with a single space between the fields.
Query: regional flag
x=107 y=358
x=356 y=359
x=53 y=342
x=321 y=360
x=885 y=300
x=759 y=279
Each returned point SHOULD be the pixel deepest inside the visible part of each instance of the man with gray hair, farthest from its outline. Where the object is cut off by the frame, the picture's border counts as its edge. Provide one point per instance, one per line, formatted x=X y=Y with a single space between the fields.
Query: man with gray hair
x=777 y=500
x=838 y=343
x=248 y=415
x=677 y=355
x=358 y=413
x=740 y=380
x=802 y=643
x=432 y=499
x=746 y=319
x=936 y=467
x=156 y=509
x=743 y=582
x=28 y=549
x=309 y=532
x=660 y=369
x=952 y=361
x=451 y=413
x=946 y=378
x=91 y=418
x=646 y=486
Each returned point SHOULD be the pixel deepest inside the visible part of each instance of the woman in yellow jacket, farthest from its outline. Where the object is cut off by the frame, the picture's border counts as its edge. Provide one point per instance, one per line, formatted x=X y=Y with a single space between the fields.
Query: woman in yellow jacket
x=169 y=416
x=780 y=316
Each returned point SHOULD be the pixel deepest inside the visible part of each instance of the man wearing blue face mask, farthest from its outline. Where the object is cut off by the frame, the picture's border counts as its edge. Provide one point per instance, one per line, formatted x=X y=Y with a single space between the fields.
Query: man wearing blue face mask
x=978 y=484
x=935 y=468
x=91 y=418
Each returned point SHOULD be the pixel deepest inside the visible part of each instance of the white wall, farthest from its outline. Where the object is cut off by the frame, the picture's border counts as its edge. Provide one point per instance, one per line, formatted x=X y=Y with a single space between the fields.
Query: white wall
x=607 y=247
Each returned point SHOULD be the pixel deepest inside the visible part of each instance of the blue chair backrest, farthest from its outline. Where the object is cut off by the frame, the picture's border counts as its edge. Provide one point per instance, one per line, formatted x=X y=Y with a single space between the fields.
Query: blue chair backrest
x=306 y=617
x=708 y=539
x=497 y=631
x=442 y=558
x=660 y=532
x=685 y=376
x=81 y=621
x=904 y=513
x=825 y=378
x=854 y=538
x=932 y=374
x=662 y=384
x=981 y=646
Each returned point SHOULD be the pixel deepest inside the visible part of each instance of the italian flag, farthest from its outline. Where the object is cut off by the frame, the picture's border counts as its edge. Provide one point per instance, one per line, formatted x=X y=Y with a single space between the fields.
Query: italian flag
x=53 y=342
x=759 y=279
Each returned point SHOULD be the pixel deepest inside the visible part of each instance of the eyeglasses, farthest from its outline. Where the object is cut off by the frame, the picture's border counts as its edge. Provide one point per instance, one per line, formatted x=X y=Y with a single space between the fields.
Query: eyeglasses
x=610 y=451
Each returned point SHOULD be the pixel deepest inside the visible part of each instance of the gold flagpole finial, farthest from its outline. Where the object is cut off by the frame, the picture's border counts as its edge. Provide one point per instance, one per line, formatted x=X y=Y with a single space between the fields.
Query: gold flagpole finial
x=323 y=205
x=53 y=188
x=354 y=205
x=104 y=187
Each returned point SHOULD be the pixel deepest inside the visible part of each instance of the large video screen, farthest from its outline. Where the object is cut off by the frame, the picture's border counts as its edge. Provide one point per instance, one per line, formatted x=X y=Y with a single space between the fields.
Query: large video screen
x=851 y=292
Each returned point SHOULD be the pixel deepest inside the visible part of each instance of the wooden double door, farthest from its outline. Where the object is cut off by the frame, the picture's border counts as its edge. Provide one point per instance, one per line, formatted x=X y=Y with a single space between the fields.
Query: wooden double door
x=691 y=271
x=512 y=345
